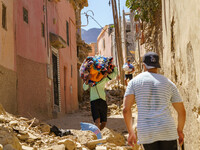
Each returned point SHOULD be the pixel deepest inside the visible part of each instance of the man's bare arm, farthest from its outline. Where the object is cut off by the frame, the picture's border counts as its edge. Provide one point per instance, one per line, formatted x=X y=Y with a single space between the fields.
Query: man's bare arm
x=179 y=107
x=127 y=113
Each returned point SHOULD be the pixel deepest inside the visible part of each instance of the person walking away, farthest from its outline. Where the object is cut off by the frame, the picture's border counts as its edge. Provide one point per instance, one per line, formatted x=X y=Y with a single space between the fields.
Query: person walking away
x=129 y=69
x=98 y=100
x=153 y=93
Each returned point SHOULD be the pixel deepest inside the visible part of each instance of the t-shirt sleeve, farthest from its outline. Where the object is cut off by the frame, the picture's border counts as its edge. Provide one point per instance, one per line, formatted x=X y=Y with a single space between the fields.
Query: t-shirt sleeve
x=131 y=66
x=85 y=86
x=130 y=89
x=175 y=94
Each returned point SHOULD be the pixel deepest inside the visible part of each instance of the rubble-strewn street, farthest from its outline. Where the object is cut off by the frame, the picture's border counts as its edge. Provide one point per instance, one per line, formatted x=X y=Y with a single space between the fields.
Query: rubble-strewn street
x=62 y=62
x=19 y=133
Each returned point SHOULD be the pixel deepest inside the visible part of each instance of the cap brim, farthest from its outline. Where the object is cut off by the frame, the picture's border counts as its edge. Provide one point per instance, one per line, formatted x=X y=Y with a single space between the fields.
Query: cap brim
x=152 y=66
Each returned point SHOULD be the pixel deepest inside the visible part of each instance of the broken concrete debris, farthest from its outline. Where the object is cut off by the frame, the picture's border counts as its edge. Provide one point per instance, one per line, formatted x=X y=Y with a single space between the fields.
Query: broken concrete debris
x=18 y=133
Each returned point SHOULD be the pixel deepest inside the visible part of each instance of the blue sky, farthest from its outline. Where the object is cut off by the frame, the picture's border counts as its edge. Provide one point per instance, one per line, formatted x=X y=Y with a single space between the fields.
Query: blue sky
x=102 y=13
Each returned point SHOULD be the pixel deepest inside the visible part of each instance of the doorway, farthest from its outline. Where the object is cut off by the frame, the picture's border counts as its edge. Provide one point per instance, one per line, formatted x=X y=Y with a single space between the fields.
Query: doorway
x=55 y=79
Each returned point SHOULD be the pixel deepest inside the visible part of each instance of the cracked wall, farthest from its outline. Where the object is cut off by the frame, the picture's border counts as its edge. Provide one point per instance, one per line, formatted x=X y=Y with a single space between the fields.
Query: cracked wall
x=181 y=36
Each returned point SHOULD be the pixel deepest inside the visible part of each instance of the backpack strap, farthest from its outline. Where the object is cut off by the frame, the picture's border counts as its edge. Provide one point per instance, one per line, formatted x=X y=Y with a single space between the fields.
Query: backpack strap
x=109 y=78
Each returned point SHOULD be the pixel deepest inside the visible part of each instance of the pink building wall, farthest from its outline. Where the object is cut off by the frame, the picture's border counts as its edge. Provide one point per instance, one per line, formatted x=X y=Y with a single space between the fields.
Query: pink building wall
x=104 y=42
x=69 y=60
x=29 y=41
x=35 y=88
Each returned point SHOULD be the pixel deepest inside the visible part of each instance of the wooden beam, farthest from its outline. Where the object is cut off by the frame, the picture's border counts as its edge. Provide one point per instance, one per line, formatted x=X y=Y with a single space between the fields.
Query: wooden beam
x=118 y=41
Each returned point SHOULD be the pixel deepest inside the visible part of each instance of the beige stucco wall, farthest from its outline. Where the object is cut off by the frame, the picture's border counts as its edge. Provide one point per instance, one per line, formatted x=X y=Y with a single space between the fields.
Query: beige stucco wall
x=181 y=56
x=8 y=81
x=8 y=78
x=7 y=37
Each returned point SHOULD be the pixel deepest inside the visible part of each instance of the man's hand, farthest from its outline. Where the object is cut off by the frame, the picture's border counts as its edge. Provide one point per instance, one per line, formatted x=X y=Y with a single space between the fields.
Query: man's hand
x=179 y=107
x=127 y=113
x=181 y=137
x=132 y=138
x=105 y=74
x=131 y=71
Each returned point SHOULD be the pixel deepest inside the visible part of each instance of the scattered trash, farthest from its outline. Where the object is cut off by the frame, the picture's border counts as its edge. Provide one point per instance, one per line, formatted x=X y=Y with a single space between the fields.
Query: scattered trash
x=60 y=132
x=91 y=127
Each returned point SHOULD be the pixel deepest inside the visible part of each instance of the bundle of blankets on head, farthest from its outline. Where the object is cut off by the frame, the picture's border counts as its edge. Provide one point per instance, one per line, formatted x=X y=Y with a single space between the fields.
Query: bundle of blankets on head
x=94 y=69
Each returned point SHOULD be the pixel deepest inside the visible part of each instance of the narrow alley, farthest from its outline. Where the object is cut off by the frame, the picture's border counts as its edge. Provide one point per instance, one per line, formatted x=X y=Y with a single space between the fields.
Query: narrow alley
x=99 y=74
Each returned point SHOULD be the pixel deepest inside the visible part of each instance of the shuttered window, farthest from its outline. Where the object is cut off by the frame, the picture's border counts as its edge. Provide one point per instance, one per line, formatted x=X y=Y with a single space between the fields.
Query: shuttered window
x=25 y=15
x=67 y=32
x=4 y=21
x=42 y=29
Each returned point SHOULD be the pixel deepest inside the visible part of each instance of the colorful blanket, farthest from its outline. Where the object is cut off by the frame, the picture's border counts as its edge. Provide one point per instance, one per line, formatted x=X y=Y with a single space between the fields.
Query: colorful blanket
x=94 y=68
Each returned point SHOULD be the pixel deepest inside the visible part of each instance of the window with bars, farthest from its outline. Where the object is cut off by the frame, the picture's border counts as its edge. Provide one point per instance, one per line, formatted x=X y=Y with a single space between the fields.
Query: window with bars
x=25 y=15
x=4 y=21
x=67 y=32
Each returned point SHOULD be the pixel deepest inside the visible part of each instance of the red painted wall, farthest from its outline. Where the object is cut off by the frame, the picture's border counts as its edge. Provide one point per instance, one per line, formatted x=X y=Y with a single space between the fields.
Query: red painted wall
x=35 y=89
x=68 y=56
x=29 y=41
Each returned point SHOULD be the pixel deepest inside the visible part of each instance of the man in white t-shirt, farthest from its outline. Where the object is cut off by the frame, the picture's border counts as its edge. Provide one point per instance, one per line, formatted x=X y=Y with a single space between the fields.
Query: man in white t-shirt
x=153 y=94
x=129 y=69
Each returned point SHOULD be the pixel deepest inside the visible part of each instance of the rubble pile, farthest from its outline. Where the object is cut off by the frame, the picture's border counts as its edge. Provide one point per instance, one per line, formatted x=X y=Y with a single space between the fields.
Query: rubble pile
x=24 y=134
x=114 y=85
x=113 y=137
x=117 y=109
x=84 y=105
x=137 y=68
x=19 y=133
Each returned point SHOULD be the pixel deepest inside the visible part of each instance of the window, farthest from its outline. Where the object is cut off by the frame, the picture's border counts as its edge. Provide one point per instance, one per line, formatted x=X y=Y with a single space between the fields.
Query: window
x=4 y=23
x=104 y=45
x=77 y=51
x=42 y=29
x=25 y=15
x=67 y=32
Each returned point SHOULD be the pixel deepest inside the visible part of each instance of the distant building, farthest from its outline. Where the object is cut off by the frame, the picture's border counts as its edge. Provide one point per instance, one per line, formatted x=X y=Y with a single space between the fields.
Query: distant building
x=133 y=39
x=128 y=37
x=106 y=43
x=137 y=35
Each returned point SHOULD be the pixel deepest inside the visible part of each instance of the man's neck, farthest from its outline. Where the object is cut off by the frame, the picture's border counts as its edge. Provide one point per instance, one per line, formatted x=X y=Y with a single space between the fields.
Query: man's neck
x=153 y=70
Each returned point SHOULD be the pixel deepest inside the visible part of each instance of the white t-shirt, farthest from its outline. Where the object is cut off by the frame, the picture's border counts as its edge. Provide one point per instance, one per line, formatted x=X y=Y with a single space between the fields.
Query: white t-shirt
x=154 y=93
